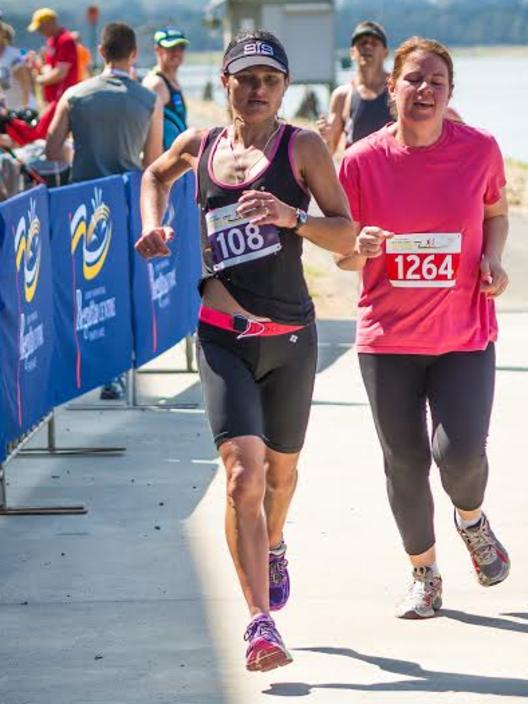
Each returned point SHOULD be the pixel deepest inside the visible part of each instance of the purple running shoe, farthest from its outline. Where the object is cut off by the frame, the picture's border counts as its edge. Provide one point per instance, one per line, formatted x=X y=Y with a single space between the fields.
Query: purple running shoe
x=279 y=579
x=265 y=650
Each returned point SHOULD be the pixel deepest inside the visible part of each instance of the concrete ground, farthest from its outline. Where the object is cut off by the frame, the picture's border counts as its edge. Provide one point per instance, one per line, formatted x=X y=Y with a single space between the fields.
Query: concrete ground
x=137 y=602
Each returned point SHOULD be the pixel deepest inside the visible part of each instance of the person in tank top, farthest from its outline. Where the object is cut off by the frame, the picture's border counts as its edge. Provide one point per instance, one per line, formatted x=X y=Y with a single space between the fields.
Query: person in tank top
x=257 y=340
x=169 y=45
x=360 y=106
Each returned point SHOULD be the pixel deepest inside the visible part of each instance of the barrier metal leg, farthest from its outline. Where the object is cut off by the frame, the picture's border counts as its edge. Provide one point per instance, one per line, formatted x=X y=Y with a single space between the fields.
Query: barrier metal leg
x=52 y=448
x=131 y=388
x=189 y=353
x=6 y=510
x=132 y=402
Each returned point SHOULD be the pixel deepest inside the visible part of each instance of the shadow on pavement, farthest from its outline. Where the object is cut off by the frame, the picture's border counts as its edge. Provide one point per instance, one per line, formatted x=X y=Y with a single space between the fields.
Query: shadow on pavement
x=424 y=680
x=516 y=615
x=107 y=607
x=486 y=621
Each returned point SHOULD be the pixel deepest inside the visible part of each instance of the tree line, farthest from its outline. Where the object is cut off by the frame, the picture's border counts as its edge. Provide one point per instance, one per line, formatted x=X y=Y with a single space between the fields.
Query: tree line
x=454 y=22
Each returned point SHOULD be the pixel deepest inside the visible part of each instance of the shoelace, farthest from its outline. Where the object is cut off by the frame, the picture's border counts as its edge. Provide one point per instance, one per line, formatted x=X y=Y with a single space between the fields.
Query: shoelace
x=278 y=565
x=263 y=627
x=422 y=587
x=480 y=542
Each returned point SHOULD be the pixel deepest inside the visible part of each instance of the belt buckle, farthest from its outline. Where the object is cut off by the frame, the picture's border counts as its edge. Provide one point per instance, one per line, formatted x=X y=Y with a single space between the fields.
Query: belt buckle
x=241 y=324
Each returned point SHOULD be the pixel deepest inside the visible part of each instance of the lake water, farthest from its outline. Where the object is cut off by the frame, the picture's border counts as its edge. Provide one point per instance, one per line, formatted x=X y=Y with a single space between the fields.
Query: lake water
x=490 y=92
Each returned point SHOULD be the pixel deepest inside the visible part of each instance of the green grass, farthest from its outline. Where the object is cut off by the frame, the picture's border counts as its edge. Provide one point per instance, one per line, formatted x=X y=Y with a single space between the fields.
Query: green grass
x=514 y=163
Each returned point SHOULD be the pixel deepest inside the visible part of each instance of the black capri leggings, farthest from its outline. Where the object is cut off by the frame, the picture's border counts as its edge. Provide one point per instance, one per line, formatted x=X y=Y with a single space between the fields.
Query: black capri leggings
x=459 y=389
x=258 y=386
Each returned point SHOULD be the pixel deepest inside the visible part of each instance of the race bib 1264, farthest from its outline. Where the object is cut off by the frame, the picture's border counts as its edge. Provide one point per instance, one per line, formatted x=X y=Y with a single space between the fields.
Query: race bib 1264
x=234 y=240
x=421 y=260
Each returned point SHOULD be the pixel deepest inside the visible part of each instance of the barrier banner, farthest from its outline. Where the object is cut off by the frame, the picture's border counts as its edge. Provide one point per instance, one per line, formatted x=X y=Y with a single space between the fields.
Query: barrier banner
x=161 y=287
x=26 y=313
x=89 y=242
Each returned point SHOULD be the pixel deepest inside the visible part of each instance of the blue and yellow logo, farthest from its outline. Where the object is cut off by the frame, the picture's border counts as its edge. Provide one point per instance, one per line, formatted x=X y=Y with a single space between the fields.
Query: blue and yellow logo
x=95 y=234
x=28 y=249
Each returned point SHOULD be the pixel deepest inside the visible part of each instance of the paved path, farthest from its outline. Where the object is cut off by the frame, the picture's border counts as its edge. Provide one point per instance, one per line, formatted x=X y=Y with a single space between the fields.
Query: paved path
x=136 y=602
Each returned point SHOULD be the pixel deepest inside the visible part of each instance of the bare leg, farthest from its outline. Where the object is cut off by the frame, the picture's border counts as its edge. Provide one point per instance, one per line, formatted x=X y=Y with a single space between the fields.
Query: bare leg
x=424 y=559
x=245 y=524
x=281 y=480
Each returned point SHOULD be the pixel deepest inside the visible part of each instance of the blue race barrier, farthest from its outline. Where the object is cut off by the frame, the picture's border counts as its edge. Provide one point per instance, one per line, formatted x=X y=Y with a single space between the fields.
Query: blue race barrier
x=89 y=242
x=164 y=295
x=26 y=313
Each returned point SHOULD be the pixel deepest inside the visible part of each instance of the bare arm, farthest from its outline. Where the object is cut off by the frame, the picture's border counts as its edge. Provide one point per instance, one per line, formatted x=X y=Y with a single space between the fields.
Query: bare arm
x=350 y=262
x=156 y=85
x=153 y=146
x=58 y=131
x=495 y=227
x=155 y=188
x=331 y=128
x=54 y=75
x=335 y=231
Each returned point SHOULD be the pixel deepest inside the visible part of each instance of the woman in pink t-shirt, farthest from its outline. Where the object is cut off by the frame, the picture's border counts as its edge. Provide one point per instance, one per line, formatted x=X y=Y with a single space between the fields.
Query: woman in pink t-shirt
x=429 y=195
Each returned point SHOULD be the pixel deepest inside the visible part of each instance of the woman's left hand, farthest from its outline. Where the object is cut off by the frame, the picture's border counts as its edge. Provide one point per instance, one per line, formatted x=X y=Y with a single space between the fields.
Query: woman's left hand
x=493 y=279
x=263 y=208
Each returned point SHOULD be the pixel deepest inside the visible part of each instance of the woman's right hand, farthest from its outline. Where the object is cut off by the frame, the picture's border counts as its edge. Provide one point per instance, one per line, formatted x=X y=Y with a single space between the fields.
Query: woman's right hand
x=370 y=241
x=153 y=242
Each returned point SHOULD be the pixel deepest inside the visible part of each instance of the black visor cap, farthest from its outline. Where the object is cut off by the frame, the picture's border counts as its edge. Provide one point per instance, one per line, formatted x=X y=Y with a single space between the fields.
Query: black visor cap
x=255 y=52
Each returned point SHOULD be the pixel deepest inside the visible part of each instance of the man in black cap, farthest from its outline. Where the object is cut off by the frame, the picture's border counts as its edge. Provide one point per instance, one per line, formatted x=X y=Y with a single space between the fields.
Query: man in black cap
x=360 y=106
x=169 y=45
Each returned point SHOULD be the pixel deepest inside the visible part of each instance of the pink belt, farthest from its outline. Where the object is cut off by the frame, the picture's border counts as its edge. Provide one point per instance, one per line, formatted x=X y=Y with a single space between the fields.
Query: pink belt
x=246 y=327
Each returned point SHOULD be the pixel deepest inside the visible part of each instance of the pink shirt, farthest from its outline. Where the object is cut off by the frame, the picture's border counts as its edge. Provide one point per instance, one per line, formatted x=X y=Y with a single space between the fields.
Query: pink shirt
x=436 y=189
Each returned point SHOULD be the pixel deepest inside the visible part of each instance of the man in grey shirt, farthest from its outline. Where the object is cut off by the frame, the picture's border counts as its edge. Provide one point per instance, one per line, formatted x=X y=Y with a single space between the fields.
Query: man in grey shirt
x=116 y=123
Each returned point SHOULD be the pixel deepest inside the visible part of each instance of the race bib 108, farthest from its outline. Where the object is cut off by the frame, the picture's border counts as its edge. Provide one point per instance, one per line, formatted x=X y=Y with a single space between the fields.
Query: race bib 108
x=234 y=240
x=423 y=260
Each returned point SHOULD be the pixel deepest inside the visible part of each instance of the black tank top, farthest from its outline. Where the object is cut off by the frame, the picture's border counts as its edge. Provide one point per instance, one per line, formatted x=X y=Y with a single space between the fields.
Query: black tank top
x=366 y=116
x=272 y=286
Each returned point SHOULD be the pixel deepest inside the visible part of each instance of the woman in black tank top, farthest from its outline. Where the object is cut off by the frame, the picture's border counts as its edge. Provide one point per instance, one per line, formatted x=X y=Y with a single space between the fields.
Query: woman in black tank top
x=257 y=342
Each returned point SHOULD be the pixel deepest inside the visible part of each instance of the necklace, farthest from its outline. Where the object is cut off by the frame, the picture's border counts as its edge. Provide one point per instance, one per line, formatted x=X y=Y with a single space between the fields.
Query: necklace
x=236 y=159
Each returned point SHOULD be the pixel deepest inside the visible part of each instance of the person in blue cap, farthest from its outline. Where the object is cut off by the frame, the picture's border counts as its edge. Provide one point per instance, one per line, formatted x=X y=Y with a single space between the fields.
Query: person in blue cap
x=169 y=45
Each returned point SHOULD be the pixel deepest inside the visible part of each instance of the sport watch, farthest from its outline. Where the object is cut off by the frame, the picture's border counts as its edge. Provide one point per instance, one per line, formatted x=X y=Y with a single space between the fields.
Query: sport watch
x=302 y=217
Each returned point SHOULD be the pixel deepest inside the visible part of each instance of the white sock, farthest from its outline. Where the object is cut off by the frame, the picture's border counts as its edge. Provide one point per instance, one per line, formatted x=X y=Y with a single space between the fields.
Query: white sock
x=467 y=524
x=278 y=549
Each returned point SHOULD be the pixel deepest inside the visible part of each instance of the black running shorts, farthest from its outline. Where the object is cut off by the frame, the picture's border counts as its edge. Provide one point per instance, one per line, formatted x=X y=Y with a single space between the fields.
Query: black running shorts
x=259 y=386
